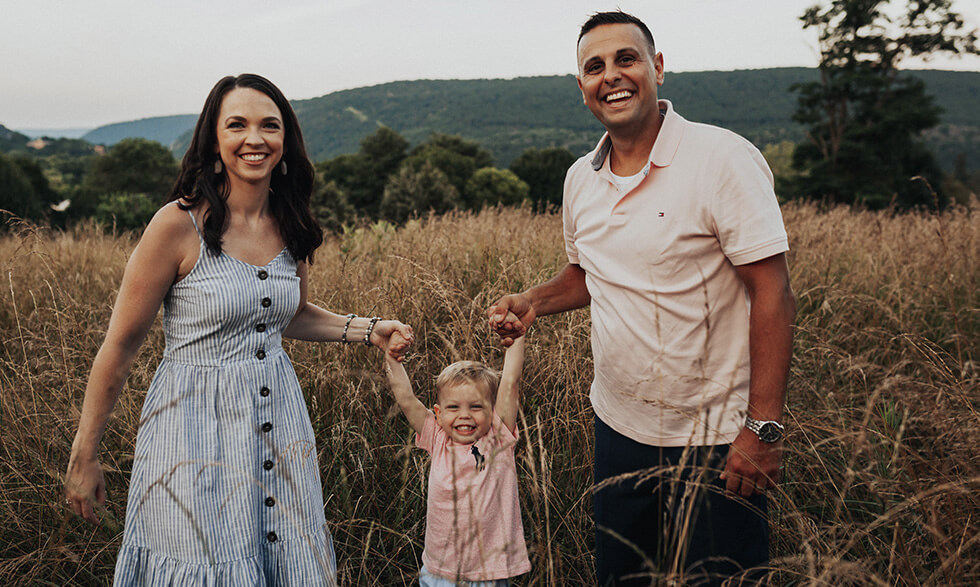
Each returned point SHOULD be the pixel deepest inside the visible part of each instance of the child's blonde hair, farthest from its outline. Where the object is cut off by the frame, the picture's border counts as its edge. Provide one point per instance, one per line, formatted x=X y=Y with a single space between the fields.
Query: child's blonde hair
x=473 y=372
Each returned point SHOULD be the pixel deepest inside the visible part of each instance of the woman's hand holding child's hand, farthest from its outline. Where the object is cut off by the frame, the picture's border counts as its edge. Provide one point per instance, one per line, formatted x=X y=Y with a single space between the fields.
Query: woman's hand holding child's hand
x=394 y=337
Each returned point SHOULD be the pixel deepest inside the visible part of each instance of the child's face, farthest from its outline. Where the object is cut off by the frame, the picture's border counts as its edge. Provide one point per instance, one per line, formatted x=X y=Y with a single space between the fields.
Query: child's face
x=463 y=412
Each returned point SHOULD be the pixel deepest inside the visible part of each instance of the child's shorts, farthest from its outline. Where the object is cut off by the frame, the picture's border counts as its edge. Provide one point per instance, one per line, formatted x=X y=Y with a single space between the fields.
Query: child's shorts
x=427 y=579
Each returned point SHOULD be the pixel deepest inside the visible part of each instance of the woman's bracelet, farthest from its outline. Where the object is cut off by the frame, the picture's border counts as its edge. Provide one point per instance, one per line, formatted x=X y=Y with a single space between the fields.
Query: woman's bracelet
x=370 y=329
x=343 y=337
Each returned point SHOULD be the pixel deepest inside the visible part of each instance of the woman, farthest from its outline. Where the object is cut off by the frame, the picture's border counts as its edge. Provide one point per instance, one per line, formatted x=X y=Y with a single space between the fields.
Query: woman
x=225 y=488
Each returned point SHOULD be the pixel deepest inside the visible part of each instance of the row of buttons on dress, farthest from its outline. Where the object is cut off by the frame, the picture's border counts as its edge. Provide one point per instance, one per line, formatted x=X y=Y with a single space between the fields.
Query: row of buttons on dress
x=266 y=303
x=264 y=391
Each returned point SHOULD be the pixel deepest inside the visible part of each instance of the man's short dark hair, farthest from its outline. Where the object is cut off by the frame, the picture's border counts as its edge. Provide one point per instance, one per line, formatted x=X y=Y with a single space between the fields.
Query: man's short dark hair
x=616 y=17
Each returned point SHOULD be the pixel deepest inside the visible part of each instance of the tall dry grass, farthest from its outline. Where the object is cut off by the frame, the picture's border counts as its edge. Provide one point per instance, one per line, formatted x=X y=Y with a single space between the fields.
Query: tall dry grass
x=882 y=474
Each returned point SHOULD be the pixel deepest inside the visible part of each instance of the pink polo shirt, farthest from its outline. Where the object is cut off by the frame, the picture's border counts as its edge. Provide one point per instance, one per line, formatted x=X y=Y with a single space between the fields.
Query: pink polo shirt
x=473 y=525
x=670 y=316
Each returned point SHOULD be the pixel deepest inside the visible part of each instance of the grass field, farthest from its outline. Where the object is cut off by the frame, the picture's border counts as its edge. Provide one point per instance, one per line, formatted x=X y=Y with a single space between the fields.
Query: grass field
x=882 y=477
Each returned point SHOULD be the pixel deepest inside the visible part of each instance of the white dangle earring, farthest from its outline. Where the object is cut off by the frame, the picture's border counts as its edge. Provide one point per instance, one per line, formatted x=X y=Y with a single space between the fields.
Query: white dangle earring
x=283 y=166
x=217 y=167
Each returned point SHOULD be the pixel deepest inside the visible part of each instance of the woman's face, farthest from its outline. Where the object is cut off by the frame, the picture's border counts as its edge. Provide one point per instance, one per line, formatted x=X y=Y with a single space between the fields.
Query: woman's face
x=250 y=136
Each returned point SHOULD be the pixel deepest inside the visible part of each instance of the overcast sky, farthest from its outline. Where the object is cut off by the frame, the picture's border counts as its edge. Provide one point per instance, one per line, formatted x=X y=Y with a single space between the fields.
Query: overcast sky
x=93 y=62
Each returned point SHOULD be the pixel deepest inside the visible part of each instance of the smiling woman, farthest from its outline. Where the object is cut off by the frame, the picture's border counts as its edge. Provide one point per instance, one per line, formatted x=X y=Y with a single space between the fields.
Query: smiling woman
x=250 y=136
x=248 y=116
x=226 y=486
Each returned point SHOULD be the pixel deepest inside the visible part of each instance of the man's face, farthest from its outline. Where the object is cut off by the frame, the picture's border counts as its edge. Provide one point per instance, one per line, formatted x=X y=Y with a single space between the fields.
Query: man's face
x=618 y=76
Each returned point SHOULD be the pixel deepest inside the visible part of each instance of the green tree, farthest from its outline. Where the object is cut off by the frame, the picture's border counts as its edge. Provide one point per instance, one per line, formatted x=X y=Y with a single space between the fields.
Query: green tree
x=17 y=194
x=385 y=149
x=457 y=144
x=456 y=157
x=362 y=176
x=125 y=211
x=66 y=172
x=411 y=192
x=779 y=156
x=544 y=172
x=490 y=186
x=863 y=117
x=132 y=166
x=43 y=194
x=457 y=168
x=330 y=205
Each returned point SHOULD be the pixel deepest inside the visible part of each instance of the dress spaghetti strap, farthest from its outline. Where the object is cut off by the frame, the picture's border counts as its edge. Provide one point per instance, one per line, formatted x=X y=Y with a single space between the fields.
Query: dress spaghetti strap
x=194 y=220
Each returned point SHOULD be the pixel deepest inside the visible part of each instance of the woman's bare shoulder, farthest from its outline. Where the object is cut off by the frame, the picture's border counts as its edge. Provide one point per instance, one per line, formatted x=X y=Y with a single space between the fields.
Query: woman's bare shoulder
x=171 y=221
x=171 y=239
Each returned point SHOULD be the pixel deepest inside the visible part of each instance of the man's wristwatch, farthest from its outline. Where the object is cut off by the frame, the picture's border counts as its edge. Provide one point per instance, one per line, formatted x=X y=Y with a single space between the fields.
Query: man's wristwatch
x=768 y=431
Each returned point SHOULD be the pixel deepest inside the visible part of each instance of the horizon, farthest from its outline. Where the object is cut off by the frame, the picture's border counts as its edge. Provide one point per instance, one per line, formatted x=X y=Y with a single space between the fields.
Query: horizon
x=77 y=132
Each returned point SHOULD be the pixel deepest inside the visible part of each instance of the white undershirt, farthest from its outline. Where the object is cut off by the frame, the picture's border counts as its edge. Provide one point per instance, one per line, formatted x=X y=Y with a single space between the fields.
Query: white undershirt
x=621 y=182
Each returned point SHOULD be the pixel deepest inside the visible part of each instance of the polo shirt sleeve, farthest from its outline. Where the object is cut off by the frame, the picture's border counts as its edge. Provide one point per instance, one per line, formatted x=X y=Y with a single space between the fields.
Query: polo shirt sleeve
x=745 y=212
x=567 y=219
x=426 y=439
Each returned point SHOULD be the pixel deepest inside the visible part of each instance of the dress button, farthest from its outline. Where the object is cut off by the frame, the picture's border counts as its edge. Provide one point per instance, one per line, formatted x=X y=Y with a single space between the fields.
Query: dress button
x=270 y=501
x=268 y=465
x=266 y=302
x=267 y=427
x=271 y=537
x=264 y=392
x=263 y=274
x=260 y=354
x=260 y=327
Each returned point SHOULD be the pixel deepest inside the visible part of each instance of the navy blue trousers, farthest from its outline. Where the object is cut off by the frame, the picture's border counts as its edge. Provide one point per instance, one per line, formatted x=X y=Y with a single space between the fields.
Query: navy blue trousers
x=662 y=512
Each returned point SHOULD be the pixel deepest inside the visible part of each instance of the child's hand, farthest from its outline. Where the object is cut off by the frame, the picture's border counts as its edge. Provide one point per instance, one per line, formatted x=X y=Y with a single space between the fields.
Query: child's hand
x=398 y=344
x=510 y=317
x=393 y=337
x=508 y=323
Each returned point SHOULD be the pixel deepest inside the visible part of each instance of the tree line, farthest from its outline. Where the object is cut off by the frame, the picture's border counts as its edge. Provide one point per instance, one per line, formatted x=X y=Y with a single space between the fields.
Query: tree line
x=384 y=180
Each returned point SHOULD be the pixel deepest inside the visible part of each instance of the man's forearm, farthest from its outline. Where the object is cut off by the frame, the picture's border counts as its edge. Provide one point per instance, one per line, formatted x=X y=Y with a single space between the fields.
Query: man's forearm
x=771 y=318
x=563 y=292
x=770 y=352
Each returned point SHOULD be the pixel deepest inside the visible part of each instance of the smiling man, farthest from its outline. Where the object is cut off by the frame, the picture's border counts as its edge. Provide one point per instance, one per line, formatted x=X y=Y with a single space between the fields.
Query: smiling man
x=675 y=240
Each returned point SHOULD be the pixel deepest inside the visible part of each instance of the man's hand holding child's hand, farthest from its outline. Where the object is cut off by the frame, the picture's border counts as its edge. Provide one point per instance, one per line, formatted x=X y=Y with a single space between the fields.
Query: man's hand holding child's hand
x=506 y=323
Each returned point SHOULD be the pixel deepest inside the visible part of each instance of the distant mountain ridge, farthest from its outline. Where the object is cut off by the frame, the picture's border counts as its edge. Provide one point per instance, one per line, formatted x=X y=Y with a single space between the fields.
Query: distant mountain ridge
x=55 y=133
x=507 y=116
x=11 y=140
x=162 y=129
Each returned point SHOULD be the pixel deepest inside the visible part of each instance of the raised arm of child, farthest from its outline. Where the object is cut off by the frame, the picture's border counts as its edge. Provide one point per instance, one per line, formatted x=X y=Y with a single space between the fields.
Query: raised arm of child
x=508 y=392
x=401 y=388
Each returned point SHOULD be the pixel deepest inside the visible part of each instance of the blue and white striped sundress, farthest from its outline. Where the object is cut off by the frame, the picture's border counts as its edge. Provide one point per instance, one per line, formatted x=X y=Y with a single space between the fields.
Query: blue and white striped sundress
x=225 y=488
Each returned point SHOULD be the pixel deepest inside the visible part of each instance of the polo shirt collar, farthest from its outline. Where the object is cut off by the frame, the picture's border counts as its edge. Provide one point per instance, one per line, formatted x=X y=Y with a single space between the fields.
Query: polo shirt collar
x=665 y=146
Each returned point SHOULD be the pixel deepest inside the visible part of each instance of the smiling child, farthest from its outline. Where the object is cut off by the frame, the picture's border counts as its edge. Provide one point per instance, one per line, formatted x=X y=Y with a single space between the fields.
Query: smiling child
x=473 y=532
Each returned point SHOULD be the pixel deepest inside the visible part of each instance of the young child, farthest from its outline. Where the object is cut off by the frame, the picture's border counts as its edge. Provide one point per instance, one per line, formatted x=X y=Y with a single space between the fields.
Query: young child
x=473 y=531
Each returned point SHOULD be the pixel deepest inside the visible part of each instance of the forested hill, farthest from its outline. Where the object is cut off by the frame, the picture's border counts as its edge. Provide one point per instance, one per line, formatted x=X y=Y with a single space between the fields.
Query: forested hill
x=11 y=140
x=508 y=116
x=162 y=129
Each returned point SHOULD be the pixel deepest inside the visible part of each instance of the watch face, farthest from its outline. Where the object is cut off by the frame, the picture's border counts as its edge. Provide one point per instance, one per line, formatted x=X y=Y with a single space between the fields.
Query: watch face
x=769 y=432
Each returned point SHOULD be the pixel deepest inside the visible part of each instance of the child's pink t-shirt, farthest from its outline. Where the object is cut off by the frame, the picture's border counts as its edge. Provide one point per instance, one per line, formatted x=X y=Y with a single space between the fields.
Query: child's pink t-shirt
x=473 y=527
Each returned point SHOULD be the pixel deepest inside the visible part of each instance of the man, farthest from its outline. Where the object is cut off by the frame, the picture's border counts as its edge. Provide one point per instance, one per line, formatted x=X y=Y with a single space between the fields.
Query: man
x=675 y=240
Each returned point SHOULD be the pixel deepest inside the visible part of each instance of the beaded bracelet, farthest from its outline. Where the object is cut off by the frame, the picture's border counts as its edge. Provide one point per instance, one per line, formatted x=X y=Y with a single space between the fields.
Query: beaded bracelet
x=370 y=328
x=343 y=337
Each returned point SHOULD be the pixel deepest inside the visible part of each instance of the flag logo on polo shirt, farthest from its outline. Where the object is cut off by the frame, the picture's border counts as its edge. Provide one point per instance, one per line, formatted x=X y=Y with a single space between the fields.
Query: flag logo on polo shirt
x=660 y=214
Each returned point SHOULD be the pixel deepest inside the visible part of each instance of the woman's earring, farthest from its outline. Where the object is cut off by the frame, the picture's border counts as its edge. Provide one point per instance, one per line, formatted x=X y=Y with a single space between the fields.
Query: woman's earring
x=217 y=167
x=283 y=166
